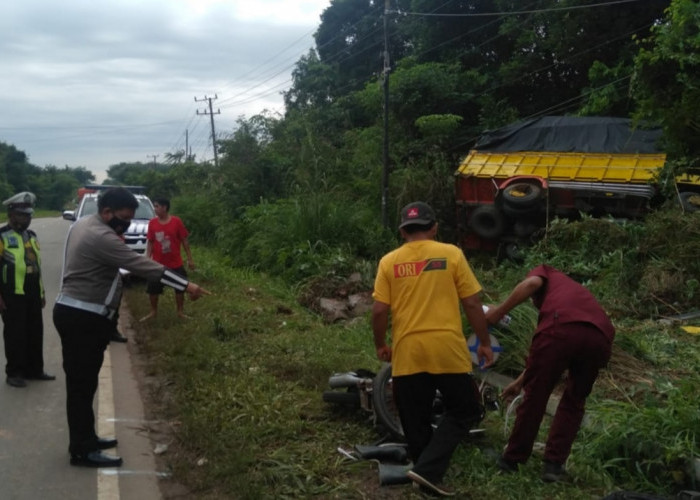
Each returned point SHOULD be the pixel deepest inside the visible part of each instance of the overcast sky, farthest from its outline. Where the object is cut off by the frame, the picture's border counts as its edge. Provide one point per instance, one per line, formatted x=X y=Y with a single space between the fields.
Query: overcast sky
x=93 y=83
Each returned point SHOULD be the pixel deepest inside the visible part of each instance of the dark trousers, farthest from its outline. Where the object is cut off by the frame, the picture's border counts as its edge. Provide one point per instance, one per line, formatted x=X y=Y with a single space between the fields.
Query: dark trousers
x=430 y=449
x=84 y=338
x=579 y=348
x=23 y=334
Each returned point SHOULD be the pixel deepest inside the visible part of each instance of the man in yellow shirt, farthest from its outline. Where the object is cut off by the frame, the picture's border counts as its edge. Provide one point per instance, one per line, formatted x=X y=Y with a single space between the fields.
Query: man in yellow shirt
x=421 y=284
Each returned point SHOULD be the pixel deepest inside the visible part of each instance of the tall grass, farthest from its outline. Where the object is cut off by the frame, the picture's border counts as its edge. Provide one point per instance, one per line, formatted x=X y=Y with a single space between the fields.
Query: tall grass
x=316 y=235
x=649 y=446
x=640 y=269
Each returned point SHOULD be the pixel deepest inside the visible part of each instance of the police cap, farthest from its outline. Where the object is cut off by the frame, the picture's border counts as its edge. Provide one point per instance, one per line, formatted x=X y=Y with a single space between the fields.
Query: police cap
x=21 y=202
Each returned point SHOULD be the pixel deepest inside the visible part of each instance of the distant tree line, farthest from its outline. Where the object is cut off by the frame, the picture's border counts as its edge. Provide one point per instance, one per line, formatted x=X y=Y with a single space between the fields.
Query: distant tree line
x=299 y=194
x=53 y=186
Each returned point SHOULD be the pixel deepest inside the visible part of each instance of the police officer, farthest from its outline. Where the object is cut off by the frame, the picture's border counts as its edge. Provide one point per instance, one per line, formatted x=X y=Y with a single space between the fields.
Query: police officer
x=21 y=294
x=85 y=308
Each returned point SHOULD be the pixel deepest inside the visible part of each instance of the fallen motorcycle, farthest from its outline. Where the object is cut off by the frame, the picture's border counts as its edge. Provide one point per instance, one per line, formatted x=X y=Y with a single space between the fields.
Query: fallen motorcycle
x=373 y=392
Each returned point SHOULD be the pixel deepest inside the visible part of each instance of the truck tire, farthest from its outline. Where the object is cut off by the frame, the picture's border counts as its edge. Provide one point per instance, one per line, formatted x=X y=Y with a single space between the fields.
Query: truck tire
x=520 y=212
x=487 y=221
x=524 y=228
x=522 y=194
x=690 y=201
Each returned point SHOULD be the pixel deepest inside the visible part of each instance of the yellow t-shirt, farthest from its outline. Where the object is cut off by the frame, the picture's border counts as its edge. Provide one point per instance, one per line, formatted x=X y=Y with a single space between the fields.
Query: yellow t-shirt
x=423 y=282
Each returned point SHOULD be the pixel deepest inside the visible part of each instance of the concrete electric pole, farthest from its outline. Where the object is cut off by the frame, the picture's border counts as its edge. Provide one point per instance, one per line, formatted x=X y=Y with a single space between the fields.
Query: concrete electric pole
x=211 y=114
x=385 y=149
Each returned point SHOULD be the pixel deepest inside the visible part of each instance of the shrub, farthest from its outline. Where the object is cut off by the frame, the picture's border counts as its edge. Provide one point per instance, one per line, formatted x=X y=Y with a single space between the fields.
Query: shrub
x=316 y=235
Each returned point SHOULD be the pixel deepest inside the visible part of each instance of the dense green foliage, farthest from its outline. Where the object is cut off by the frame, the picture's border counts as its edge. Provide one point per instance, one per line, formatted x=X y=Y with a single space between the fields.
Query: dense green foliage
x=456 y=69
x=301 y=193
x=52 y=186
x=638 y=269
x=664 y=88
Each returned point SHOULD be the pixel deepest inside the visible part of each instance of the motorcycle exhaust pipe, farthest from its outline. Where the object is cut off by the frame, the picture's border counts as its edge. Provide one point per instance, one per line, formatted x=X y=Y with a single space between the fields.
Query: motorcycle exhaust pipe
x=348 y=379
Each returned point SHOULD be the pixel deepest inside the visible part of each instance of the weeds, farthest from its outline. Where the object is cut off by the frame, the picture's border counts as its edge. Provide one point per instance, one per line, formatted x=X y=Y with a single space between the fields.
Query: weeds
x=648 y=446
x=245 y=377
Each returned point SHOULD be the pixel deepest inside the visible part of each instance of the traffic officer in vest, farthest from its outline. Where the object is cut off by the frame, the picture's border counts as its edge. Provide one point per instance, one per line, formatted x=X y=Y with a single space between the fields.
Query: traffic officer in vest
x=21 y=294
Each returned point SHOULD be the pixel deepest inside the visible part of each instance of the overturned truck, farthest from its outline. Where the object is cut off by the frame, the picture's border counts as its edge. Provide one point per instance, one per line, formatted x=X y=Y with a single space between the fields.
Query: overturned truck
x=518 y=178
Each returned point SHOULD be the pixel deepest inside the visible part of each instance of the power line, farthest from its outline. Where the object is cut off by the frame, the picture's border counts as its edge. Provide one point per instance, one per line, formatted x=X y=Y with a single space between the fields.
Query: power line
x=342 y=55
x=253 y=71
x=516 y=12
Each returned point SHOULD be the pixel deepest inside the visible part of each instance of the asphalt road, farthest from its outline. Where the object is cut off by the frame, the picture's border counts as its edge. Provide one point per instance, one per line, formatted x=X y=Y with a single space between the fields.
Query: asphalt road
x=34 y=461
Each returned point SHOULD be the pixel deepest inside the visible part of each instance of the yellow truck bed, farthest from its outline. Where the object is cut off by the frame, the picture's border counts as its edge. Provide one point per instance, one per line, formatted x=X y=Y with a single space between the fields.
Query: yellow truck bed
x=582 y=167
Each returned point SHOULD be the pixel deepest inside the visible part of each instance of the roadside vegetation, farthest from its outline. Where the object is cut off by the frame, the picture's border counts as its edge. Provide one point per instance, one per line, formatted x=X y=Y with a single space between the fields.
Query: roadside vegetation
x=243 y=379
x=294 y=207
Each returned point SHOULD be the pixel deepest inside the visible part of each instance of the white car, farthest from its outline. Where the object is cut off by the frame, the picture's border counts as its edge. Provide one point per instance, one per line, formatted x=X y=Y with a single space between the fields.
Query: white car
x=135 y=236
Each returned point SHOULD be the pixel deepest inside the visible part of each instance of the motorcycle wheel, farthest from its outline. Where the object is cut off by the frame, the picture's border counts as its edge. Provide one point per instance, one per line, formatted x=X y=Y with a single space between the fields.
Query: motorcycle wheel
x=385 y=412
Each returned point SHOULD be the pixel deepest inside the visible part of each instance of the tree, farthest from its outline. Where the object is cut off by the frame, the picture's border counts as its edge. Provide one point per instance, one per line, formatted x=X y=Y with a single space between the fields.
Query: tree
x=350 y=38
x=314 y=84
x=545 y=56
x=248 y=172
x=666 y=83
x=176 y=157
x=55 y=187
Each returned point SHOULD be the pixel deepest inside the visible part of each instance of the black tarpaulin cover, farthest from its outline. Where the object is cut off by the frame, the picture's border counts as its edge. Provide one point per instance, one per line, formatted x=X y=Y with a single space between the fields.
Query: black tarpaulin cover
x=572 y=134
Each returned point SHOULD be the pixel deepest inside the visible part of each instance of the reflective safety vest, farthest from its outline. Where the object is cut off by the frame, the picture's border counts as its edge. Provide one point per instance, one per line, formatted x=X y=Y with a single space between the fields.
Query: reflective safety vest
x=13 y=264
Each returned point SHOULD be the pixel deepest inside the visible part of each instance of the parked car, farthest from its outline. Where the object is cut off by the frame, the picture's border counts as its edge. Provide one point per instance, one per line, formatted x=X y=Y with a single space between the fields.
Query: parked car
x=135 y=236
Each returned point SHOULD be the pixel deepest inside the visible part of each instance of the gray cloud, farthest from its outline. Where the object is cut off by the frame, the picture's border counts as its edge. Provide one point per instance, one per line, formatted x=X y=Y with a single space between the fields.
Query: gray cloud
x=95 y=83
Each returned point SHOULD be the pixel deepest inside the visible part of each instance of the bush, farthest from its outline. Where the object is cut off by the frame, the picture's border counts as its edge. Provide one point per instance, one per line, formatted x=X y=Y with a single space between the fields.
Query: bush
x=642 y=269
x=303 y=237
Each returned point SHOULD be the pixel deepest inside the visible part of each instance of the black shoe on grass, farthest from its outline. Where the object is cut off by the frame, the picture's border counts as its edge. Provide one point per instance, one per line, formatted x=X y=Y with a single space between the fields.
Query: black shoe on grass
x=554 y=473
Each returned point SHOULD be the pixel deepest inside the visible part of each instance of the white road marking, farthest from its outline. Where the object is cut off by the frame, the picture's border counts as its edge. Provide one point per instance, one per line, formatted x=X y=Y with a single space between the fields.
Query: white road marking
x=123 y=472
x=107 y=484
x=133 y=421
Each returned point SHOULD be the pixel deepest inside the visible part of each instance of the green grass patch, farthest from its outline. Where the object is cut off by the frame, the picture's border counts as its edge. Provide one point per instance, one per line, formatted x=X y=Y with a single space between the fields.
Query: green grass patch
x=244 y=380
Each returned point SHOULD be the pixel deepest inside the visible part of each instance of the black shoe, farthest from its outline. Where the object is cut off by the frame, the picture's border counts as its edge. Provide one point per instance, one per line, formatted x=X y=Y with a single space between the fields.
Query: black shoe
x=105 y=443
x=16 y=381
x=507 y=466
x=95 y=459
x=42 y=376
x=553 y=473
x=118 y=337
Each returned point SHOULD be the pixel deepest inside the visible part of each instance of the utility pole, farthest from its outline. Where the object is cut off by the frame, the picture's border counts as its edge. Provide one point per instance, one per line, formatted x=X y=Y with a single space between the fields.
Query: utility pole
x=385 y=152
x=154 y=159
x=213 y=131
x=187 y=145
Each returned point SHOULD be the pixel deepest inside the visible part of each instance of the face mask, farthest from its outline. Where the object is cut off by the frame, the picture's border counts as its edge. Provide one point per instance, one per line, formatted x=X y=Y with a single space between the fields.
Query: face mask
x=119 y=225
x=20 y=224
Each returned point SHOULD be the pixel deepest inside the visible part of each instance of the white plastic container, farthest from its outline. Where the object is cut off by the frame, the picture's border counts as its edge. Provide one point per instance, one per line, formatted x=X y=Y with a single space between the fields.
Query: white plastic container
x=503 y=322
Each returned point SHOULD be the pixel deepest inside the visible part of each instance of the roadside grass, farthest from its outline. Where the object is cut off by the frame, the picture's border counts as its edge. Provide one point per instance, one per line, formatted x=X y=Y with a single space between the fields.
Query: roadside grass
x=243 y=380
x=38 y=213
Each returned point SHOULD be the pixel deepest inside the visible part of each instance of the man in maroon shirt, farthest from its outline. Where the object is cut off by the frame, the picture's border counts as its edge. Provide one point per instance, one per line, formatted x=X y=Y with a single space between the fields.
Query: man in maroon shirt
x=166 y=233
x=573 y=333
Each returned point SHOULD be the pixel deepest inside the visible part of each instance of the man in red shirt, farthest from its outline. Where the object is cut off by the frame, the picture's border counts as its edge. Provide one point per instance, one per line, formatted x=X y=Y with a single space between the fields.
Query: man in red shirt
x=573 y=333
x=166 y=233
